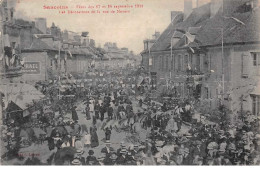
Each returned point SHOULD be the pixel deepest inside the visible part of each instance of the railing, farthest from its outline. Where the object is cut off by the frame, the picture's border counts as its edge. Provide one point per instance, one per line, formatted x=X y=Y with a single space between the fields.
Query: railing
x=13 y=71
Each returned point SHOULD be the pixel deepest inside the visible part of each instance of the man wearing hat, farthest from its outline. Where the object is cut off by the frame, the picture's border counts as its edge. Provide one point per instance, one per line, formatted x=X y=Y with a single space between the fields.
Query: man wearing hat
x=187 y=158
x=76 y=160
x=121 y=160
x=122 y=146
x=135 y=150
x=107 y=133
x=130 y=160
x=91 y=159
x=107 y=149
x=110 y=159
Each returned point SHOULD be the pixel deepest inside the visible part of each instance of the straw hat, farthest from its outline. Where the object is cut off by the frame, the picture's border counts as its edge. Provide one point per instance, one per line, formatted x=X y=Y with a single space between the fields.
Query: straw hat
x=113 y=156
x=80 y=151
x=76 y=161
x=107 y=142
x=123 y=151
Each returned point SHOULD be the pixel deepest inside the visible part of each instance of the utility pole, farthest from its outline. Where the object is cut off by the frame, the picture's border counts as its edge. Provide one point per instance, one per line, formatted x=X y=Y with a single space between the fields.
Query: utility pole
x=222 y=57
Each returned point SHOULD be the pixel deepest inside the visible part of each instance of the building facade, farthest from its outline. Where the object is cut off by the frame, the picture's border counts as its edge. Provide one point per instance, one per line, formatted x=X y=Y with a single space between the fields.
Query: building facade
x=211 y=54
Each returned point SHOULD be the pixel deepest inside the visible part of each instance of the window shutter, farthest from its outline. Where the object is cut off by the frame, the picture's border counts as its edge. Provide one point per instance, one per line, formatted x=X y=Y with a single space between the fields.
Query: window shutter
x=245 y=65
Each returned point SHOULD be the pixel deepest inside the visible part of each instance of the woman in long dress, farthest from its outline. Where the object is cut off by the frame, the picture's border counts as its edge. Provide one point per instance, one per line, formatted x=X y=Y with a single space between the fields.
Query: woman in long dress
x=86 y=137
x=94 y=137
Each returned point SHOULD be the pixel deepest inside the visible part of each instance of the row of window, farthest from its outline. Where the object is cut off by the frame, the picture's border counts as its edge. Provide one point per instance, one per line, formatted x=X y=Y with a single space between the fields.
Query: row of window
x=200 y=62
x=255 y=105
x=179 y=62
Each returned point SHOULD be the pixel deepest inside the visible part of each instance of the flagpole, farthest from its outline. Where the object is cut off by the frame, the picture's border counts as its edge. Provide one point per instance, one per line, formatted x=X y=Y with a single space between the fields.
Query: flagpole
x=171 y=56
x=222 y=56
x=59 y=55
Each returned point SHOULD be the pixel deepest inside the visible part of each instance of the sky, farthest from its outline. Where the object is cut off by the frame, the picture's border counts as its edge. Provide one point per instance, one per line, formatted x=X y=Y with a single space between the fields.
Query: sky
x=127 y=30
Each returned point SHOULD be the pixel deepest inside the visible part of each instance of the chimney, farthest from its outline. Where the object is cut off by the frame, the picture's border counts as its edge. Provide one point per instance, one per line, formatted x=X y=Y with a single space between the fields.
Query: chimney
x=187 y=8
x=41 y=24
x=156 y=35
x=215 y=5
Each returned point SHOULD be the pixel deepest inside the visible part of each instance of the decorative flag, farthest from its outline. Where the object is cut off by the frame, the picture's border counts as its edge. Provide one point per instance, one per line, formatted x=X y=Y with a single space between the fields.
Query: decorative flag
x=192 y=49
x=190 y=37
x=22 y=61
x=7 y=60
x=70 y=54
x=150 y=61
x=180 y=30
x=12 y=60
x=36 y=36
x=189 y=68
x=237 y=20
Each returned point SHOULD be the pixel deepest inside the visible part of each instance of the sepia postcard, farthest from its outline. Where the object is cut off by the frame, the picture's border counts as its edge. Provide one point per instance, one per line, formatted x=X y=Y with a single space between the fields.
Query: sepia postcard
x=130 y=82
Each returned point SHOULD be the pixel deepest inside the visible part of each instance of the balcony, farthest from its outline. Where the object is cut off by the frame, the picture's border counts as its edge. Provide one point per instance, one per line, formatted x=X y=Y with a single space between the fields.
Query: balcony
x=13 y=71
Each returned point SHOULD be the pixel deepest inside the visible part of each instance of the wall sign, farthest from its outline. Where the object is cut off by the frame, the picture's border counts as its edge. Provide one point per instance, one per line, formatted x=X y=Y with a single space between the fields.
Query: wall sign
x=31 y=68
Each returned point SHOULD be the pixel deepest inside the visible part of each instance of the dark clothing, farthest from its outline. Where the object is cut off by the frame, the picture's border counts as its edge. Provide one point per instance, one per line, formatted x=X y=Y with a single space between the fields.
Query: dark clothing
x=108 y=161
x=110 y=112
x=74 y=115
x=187 y=160
x=121 y=160
x=91 y=160
x=94 y=139
x=105 y=150
x=130 y=161
x=108 y=134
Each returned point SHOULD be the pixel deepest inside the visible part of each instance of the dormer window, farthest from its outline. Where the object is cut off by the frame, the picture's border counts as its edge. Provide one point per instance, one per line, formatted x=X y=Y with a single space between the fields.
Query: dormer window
x=248 y=6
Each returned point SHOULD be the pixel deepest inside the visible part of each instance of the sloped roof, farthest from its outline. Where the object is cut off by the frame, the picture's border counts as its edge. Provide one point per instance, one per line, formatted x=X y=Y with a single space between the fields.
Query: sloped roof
x=36 y=45
x=238 y=27
x=196 y=19
x=233 y=31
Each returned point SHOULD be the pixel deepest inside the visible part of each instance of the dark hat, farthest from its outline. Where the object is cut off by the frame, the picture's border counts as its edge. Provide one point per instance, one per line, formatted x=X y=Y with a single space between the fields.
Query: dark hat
x=90 y=152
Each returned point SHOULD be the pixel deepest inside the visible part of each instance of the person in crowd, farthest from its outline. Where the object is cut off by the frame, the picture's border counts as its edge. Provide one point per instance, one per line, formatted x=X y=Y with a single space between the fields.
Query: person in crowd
x=107 y=133
x=91 y=159
x=107 y=149
x=94 y=137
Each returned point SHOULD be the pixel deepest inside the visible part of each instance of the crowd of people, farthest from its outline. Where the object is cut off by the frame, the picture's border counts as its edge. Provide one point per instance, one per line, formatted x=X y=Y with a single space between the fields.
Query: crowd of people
x=175 y=134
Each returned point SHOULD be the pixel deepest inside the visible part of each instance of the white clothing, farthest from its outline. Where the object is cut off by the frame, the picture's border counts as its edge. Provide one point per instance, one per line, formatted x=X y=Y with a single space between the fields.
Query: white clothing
x=87 y=139
x=91 y=107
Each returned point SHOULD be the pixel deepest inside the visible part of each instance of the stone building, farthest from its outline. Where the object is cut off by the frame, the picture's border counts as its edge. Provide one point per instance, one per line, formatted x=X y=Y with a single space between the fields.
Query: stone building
x=211 y=53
